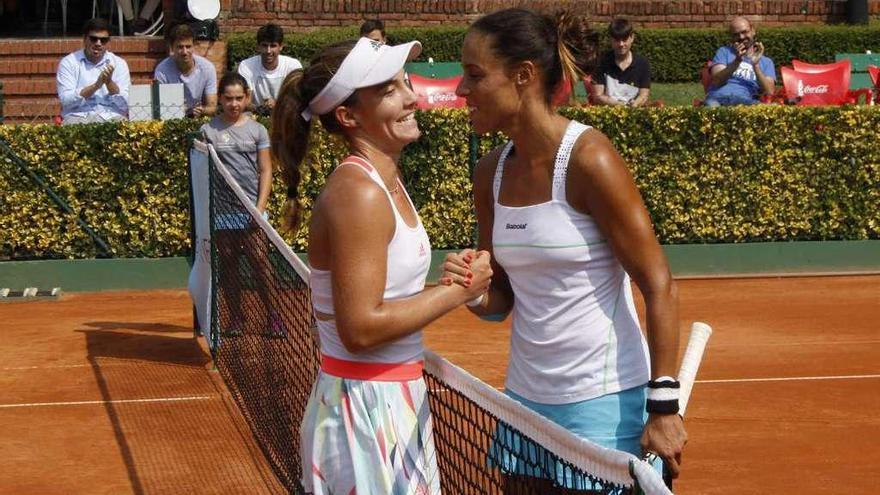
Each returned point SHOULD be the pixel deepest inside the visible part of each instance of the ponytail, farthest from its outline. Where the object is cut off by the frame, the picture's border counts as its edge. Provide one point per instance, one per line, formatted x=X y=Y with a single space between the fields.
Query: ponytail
x=291 y=131
x=577 y=47
x=290 y=141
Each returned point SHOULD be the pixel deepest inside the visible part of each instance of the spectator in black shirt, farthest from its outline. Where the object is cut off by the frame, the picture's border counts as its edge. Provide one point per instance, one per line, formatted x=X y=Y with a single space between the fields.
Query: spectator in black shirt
x=622 y=78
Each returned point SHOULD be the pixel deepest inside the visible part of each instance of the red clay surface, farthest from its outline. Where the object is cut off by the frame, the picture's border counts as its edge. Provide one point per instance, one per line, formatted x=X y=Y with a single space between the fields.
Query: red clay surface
x=108 y=393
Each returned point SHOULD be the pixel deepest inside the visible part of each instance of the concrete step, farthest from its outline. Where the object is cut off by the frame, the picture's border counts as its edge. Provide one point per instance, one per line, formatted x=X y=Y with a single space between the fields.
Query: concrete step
x=63 y=46
x=23 y=109
x=14 y=86
x=45 y=66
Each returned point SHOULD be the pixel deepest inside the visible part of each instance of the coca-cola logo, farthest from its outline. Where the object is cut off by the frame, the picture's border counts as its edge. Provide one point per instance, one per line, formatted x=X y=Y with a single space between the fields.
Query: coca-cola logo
x=441 y=97
x=815 y=90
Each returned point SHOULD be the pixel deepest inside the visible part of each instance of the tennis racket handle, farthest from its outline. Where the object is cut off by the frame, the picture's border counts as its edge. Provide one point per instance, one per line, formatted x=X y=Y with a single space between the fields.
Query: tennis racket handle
x=690 y=363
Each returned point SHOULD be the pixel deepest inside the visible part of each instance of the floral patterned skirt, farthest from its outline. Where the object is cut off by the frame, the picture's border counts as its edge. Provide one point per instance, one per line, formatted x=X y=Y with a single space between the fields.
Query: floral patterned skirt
x=368 y=437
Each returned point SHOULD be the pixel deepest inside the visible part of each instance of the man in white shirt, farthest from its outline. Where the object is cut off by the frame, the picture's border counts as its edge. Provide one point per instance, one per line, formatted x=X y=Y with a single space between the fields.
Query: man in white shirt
x=265 y=72
x=93 y=83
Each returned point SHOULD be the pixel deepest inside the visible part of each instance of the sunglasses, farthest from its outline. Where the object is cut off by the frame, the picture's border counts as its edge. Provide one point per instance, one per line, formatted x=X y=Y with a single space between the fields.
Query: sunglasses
x=103 y=39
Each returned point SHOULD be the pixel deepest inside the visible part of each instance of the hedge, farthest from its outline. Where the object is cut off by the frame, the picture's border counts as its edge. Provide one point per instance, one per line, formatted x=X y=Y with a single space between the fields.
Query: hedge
x=676 y=55
x=766 y=173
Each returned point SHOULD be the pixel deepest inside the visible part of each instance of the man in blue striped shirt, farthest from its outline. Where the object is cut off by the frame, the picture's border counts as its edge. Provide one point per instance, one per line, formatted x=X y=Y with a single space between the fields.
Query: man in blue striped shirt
x=93 y=83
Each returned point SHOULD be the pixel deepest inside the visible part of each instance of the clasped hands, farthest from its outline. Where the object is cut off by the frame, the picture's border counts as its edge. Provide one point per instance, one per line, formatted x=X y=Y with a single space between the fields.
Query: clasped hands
x=106 y=75
x=470 y=269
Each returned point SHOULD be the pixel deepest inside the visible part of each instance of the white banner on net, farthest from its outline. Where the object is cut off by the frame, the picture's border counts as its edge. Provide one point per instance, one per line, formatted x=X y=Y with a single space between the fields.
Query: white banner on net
x=199 y=284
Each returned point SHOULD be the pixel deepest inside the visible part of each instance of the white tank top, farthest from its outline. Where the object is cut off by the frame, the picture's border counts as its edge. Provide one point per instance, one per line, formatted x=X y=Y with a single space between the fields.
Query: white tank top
x=409 y=258
x=575 y=333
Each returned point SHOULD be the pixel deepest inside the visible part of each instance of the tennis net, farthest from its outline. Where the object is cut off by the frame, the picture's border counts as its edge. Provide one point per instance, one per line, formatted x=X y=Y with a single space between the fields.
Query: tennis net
x=261 y=334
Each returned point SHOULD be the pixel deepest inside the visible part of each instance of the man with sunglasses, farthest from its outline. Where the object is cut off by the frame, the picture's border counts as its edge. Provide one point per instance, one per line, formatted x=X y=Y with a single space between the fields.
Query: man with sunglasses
x=93 y=83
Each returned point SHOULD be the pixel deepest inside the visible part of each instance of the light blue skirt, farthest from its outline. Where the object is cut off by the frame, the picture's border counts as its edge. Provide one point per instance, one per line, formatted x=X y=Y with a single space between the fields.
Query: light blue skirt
x=614 y=421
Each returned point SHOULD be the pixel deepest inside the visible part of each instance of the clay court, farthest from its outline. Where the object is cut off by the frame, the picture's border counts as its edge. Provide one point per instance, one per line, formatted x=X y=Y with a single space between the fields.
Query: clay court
x=109 y=393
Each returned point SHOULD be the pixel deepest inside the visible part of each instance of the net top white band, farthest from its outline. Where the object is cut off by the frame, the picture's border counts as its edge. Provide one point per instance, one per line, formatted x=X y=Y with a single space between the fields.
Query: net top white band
x=367 y=64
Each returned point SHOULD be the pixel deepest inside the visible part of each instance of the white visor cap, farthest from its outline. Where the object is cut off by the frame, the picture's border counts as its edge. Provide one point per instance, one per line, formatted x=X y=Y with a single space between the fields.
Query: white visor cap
x=367 y=64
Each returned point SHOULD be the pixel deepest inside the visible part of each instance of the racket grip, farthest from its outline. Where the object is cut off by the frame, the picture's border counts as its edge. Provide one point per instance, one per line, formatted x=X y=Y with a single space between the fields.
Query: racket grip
x=690 y=363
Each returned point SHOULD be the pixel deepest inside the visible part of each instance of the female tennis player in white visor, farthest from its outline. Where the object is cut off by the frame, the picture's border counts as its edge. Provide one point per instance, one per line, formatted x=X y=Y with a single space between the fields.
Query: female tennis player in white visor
x=367 y=427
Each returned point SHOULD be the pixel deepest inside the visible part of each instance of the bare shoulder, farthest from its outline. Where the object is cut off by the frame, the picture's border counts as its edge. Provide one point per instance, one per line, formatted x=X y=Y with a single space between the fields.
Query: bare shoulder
x=350 y=194
x=594 y=153
x=484 y=171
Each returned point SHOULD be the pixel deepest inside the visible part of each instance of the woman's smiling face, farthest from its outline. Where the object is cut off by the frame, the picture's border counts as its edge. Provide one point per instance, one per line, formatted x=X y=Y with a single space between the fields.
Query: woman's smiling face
x=385 y=114
x=486 y=85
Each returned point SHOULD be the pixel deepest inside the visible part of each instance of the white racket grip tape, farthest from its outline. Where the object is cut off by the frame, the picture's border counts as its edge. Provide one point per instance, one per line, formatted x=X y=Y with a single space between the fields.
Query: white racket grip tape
x=690 y=363
x=647 y=479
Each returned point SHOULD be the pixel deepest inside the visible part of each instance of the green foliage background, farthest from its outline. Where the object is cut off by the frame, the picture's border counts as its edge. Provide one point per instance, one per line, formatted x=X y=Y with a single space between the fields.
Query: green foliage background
x=764 y=173
x=676 y=55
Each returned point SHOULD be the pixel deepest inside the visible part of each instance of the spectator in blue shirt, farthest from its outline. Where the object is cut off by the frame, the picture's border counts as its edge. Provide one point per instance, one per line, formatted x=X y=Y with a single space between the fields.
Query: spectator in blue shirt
x=93 y=83
x=198 y=75
x=740 y=71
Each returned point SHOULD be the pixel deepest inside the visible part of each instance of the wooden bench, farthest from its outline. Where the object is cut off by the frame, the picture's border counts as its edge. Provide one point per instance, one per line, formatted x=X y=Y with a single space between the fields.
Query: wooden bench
x=860 y=62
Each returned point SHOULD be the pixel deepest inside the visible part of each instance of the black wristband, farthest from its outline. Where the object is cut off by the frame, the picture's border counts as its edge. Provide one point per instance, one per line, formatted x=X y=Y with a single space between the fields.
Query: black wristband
x=661 y=406
x=663 y=397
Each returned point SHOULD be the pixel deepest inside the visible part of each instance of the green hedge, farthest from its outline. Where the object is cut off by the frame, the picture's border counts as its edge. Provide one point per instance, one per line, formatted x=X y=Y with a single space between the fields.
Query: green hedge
x=676 y=55
x=765 y=173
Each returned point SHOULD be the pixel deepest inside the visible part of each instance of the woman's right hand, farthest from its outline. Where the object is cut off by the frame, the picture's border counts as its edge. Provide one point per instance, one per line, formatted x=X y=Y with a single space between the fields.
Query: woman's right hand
x=470 y=269
x=457 y=268
x=481 y=268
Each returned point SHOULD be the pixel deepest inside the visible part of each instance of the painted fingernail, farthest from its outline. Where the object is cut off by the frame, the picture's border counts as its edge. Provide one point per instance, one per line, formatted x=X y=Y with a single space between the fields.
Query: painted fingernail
x=470 y=275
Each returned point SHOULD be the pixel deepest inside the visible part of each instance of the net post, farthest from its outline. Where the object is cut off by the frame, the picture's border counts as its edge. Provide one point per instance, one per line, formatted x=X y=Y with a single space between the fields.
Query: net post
x=154 y=100
x=191 y=256
x=473 y=152
x=213 y=329
x=473 y=156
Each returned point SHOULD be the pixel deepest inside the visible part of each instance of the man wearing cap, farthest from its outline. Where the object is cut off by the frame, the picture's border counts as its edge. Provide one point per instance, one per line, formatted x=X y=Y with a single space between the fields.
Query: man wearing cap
x=93 y=83
x=196 y=73
x=265 y=72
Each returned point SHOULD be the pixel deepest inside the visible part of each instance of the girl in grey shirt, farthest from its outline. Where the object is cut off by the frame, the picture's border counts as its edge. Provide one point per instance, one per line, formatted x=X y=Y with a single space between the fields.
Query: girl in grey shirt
x=242 y=144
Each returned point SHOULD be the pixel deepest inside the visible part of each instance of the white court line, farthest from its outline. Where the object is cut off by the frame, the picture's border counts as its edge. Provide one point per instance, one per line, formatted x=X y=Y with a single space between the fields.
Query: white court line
x=103 y=363
x=102 y=402
x=44 y=367
x=790 y=379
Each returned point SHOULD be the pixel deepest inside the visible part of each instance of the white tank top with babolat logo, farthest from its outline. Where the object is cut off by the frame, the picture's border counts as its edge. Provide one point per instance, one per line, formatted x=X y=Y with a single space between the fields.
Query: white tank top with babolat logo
x=409 y=258
x=575 y=333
